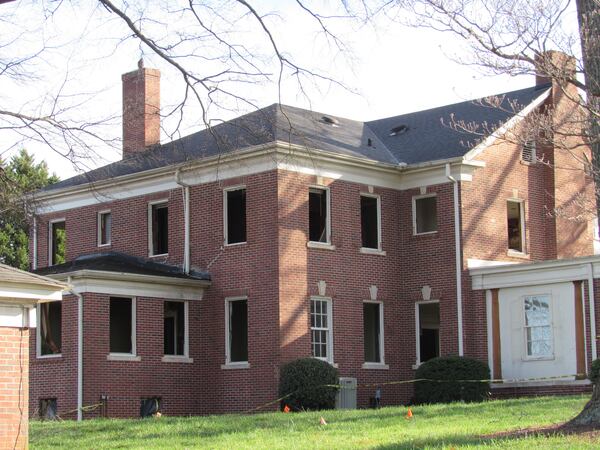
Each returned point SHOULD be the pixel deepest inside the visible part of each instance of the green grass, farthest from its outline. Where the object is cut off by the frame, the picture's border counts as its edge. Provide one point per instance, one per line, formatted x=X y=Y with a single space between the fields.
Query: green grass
x=439 y=426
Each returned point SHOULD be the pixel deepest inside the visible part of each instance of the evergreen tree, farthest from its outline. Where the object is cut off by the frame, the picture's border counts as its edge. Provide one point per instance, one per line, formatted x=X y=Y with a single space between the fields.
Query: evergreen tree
x=18 y=178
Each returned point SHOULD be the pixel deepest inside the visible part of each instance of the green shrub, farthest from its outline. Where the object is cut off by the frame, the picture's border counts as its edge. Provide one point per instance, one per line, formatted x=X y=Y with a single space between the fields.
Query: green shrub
x=304 y=379
x=452 y=368
x=595 y=371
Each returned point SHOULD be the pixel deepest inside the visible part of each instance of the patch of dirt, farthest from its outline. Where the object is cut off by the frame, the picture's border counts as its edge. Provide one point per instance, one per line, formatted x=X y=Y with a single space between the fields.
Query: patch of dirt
x=587 y=431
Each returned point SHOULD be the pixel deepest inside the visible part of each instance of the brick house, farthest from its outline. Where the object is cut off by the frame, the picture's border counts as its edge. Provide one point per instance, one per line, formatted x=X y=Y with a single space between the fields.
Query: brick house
x=205 y=263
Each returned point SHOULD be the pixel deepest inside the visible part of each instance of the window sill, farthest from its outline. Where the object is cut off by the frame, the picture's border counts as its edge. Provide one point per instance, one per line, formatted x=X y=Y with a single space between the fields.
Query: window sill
x=235 y=365
x=372 y=251
x=177 y=359
x=527 y=163
x=416 y=366
x=321 y=245
x=122 y=357
x=104 y=245
x=427 y=233
x=53 y=356
x=375 y=366
x=516 y=254
x=540 y=358
x=235 y=244
x=158 y=256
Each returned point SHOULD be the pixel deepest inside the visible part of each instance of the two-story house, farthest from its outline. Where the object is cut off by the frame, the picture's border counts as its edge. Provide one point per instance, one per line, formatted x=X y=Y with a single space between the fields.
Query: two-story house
x=199 y=266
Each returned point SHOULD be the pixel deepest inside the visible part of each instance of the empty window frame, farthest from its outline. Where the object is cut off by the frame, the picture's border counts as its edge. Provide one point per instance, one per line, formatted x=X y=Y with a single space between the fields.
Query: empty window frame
x=528 y=151
x=373 y=332
x=57 y=242
x=49 y=331
x=370 y=221
x=320 y=329
x=319 y=228
x=176 y=328
x=538 y=326
x=104 y=228
x=48 y=409
x=515 y=220
x=425 y=214
x=428 y=330
x=122 y=326
x=158 y=224
x=236 y=330
x=235 y=215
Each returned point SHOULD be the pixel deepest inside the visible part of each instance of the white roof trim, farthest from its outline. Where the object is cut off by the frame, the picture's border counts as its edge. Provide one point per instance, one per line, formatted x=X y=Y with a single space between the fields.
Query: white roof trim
x=487 y=142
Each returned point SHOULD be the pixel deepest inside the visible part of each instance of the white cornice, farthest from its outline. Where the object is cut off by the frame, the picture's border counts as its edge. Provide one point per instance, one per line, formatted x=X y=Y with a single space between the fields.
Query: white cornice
x=129 y=284
x=278 y=155
x=531 y=274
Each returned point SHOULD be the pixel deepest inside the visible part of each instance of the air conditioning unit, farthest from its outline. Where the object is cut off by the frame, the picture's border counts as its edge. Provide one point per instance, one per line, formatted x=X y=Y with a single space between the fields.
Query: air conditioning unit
x=346 y=396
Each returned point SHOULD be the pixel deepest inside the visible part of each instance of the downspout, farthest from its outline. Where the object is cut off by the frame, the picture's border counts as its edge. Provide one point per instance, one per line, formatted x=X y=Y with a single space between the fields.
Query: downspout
x=79 y=352
x=185 y=188
x=592 y=310
x=458 y=261
x=34 y=259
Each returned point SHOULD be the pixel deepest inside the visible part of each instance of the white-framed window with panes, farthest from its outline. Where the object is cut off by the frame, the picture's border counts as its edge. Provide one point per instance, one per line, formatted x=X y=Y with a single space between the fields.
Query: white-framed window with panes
x=537 y=327
x=321 y=326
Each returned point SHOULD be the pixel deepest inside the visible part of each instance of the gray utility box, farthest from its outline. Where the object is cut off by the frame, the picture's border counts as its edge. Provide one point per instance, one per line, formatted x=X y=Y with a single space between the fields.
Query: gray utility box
x=346 y=396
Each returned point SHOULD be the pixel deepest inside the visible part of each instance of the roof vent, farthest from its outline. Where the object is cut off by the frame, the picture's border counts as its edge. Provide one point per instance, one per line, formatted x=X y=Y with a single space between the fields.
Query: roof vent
x=400 y=129
x=330 y=121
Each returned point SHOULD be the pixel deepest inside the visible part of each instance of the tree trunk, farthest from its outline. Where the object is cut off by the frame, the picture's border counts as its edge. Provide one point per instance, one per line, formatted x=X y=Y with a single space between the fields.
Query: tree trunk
x=590 y=415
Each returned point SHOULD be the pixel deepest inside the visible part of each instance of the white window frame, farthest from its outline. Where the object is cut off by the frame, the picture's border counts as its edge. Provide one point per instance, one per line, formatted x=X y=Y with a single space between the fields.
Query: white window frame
x=133 y=354
x=327 y=243
x=51 y=237
x=186 y=334
x=380 y=364
x=414 y=214
x=150 y=231
x=228 y=363
x=225 y=230
x=418 y=327
x=329 y=329
x=38 y=334
x=526 y=356
x=379 y=239
x=99 y=220
x=521 y=203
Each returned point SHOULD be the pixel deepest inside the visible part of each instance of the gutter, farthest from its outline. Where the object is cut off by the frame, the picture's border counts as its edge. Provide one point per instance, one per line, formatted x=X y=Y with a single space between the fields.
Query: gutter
x=458 y=262
x=185 y=189
x=34 y=259
x=79 y=352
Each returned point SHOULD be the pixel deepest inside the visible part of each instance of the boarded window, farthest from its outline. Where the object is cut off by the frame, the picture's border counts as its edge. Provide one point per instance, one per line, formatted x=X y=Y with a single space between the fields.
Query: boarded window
x=515 y=225
x=48 y=409
x=121 y=325
x=320 y=327
x=429 y=331
x=369 y=217
x=372 y=332
x=58 y=244
x=238 y=330
x=160 y=229
x=50 y=328
x=236 y=216
x=174 y=328
x=317 y=215
x=104 y=228
x=425 y=214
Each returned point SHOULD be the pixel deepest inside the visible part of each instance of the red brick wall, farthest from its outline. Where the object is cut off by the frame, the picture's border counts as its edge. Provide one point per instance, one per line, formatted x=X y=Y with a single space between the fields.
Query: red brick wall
x=14 y=387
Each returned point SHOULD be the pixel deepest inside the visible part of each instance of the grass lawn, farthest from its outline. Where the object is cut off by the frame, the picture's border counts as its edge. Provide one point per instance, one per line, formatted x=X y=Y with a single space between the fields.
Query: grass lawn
x=440 y=426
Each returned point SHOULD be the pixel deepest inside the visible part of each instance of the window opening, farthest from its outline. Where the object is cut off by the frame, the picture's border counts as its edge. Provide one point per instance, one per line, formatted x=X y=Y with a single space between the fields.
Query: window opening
x=236 y=216
x=58 y=236
x=50 y=328
x=104 y=228
x=515 y=226
x=538 y=326
x=121 y=325
x=174 y=328
x=318 y=215
x=238 y=330
x=48 y=409
x=149 y=407
x=372 y=332
x=425 y=214
x=429 y=331
x=528 y=151
x=160 y=229
x=369 y=214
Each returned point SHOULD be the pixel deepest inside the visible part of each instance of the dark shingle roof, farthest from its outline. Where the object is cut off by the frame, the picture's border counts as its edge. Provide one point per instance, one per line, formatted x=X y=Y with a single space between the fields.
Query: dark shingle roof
x=121 y=263
x=428 y=137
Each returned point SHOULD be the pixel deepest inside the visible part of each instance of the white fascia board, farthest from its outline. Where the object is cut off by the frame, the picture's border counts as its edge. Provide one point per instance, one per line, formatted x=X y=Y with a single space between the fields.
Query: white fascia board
x=28 y=294
x=118 y=283
x=12 y=315
x=531 y=274
x=514 y=121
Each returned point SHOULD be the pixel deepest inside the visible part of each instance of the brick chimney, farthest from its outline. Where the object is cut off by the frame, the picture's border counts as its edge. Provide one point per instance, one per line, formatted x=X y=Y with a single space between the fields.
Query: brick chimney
x=553 y=65
x=141 y=110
